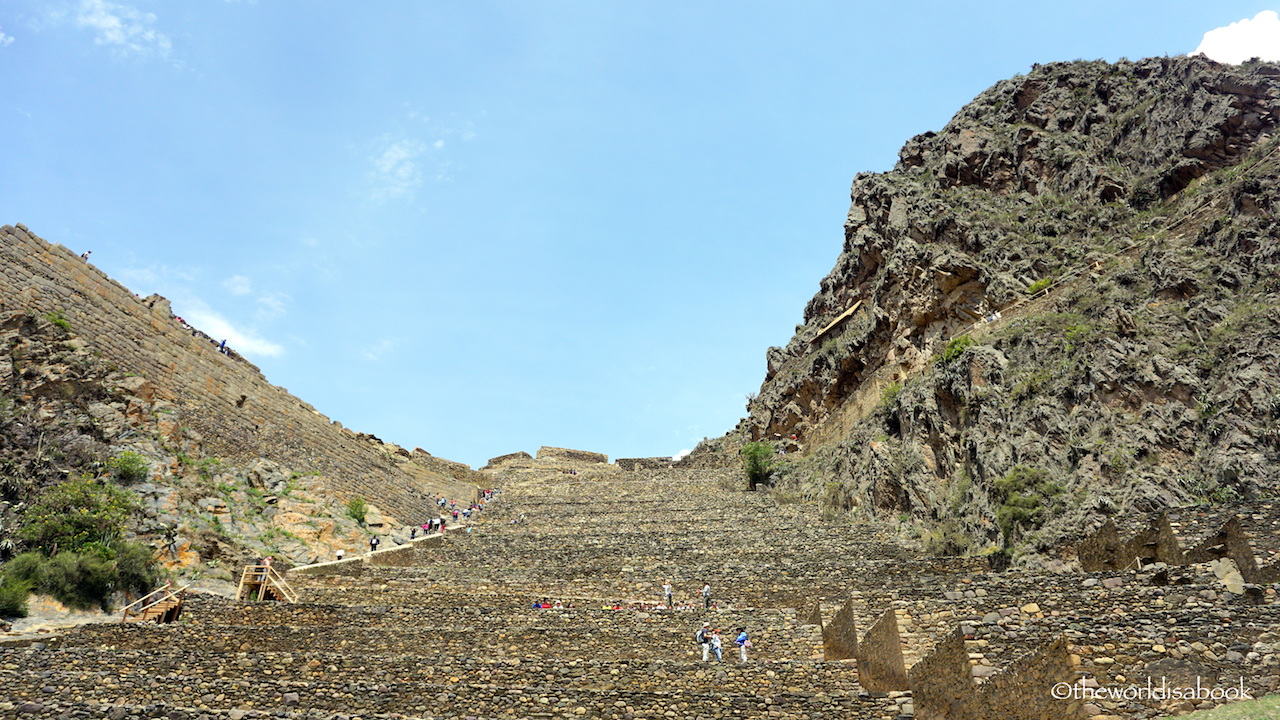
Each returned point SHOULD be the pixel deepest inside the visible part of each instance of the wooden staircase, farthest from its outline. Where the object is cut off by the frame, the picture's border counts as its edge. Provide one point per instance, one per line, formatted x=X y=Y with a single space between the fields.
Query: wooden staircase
x=262 y=582
x=161 y=606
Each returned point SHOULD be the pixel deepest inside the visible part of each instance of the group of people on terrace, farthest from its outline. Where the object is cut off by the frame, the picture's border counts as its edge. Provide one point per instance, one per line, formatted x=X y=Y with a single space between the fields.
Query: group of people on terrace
x=710 y=640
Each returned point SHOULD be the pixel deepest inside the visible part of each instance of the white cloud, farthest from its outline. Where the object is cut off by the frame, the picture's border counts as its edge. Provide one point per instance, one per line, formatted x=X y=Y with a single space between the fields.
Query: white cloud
x=122 y=28
x=5 y=39
x=1243 y=40
x=376 y=352
x=271 y=306
x=682 y=454
x=238 y=285
x=180 y=285
x=219 y=328
x=396 y=168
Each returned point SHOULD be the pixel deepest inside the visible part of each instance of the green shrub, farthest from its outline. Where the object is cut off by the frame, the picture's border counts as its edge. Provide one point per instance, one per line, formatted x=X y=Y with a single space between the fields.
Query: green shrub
x=86 y=579
x=129 y=467
x=357 y=508
x=889 y=396
x=1024 y=495
x=13 y=596
x=1039 y=285
x=78 y=580
x=136 y=569
x=947 y=538
x=955 y=348
x=75 y=514
x=757 y=461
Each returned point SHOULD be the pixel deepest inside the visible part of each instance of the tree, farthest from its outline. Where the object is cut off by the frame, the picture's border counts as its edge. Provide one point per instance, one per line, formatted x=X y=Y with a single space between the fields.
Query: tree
x=757 y=460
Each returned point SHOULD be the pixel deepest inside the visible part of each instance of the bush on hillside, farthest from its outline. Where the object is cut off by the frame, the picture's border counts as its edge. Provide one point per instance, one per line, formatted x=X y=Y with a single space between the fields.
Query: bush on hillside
x=357 y=508
x=757 y=460
x=129 y=467
x=75 y=514
x=77 y=553
x=13 y=596
x=1026 y=501
x=85 y=579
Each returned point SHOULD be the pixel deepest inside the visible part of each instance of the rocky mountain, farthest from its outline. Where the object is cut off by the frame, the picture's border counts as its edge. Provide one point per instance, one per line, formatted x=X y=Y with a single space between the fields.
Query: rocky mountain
x=1063 y=305
x=225 y=467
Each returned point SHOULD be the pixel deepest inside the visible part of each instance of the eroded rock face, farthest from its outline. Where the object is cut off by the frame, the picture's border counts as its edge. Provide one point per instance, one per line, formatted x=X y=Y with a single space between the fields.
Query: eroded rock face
x=1120 y=219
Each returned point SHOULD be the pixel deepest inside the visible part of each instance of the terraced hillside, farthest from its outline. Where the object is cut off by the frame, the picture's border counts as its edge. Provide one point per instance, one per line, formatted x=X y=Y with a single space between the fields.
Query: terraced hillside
x=444 y=628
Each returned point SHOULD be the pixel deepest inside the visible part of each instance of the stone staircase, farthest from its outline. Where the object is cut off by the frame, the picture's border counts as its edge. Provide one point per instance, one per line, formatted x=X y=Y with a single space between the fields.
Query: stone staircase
x=448 y=631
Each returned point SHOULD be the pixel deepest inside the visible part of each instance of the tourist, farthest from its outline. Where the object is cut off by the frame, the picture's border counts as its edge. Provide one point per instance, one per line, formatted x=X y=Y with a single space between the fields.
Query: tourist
x=341 y=553
x=706 y=596
x=666 y=591
x=742 y=642
x=373 y=543
x=704 y=640
x=716 y=644
x=413 y=532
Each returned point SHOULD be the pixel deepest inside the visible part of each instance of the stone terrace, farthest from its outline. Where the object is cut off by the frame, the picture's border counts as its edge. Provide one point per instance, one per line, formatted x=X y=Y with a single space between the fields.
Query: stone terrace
x=448 y=632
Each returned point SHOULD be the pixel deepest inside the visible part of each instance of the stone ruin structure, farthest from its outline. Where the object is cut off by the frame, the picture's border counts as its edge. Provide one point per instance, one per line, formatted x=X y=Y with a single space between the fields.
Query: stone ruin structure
x=444 y=627
x=1158 y=543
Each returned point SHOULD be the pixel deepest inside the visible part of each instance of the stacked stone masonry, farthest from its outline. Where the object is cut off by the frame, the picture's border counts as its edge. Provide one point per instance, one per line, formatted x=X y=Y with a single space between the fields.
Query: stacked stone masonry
x=237 y=413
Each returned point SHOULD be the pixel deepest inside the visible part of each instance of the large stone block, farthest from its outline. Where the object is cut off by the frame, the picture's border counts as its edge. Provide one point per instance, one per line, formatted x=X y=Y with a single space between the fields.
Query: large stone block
x=840 y=636
x=881 y=667
x=941 y=687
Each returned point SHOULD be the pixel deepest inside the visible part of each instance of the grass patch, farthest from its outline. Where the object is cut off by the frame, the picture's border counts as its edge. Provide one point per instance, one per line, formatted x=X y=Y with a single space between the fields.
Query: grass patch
x=1264 y=707
x=57 y=318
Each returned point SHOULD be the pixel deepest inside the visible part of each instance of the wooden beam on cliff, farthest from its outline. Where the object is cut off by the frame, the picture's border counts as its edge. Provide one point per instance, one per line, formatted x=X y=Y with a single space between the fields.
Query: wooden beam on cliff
x=839 y=318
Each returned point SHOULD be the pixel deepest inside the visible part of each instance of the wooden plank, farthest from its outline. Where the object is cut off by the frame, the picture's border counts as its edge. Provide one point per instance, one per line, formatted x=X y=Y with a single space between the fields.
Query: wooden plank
x=835 y=322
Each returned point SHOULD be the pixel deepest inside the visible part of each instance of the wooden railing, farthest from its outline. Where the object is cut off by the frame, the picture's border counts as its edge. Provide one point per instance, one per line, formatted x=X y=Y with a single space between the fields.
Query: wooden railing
x=262 y=582
x=162 y=605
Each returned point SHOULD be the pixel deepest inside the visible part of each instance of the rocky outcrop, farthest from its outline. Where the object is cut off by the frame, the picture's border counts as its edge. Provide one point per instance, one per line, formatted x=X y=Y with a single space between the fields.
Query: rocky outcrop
x=1071 y=290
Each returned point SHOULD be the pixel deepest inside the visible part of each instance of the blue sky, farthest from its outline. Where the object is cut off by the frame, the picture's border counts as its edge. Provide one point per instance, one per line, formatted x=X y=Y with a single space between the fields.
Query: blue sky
x=482 y=227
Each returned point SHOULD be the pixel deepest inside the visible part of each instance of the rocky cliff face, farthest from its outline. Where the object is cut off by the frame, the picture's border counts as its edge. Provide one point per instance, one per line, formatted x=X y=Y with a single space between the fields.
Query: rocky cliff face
x=1120 y=219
